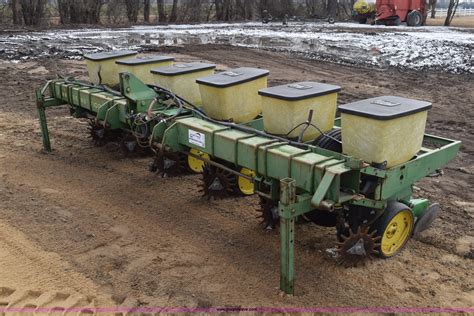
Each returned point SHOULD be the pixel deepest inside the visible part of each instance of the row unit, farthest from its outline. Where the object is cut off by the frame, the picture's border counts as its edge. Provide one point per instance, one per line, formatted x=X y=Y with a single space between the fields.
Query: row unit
x=385 y=129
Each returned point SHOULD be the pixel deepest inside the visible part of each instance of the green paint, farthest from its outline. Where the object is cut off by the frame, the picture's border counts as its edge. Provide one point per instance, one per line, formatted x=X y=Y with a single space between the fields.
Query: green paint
x=44 y=129
x=418 y=206
x=287 y=238
x=300 y=179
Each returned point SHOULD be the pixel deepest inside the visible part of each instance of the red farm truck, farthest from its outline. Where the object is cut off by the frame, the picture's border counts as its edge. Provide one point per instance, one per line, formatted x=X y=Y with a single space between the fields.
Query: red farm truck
x=391 y=12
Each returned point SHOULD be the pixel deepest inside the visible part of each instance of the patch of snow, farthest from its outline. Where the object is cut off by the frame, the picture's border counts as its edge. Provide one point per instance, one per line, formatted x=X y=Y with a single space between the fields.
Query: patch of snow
x=422 y=48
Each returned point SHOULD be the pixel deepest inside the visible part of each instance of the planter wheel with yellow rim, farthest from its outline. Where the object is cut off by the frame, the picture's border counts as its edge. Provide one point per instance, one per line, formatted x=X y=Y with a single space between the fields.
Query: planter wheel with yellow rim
x=395 y=228
x=196 y=165
x=246 y=186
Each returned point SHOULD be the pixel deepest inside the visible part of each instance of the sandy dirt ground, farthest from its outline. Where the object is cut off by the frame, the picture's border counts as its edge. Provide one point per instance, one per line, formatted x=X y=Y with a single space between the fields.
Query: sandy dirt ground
x=89 y=227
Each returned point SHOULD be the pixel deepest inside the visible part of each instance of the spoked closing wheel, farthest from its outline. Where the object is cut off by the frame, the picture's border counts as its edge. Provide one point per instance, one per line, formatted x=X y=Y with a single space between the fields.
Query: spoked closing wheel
x=97 y=132
x=101 y=135
x=357 y=247
x=385 y=238
x=217 y=182
x=221 y=180
x=169 y=163
x=130 y=145
x=268 y=212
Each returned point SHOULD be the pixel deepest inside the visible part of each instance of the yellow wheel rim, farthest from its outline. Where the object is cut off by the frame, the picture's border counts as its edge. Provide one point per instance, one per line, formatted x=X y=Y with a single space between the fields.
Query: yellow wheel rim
x=245 y=185
x=194 y=164
x=397 y=233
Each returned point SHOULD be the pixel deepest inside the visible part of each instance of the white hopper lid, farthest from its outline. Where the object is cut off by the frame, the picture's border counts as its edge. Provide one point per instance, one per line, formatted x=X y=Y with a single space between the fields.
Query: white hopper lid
x=233 y=77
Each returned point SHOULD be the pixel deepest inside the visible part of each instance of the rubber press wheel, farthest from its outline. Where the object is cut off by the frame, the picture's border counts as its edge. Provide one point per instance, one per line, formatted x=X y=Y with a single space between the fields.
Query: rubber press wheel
x=331 y=141
x=194 y=164
x=246 y=186
x=394 y=228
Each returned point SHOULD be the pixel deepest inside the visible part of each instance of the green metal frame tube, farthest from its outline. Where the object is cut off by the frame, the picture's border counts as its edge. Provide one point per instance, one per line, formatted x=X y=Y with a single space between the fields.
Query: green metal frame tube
x=287 y=238
x=44 y=129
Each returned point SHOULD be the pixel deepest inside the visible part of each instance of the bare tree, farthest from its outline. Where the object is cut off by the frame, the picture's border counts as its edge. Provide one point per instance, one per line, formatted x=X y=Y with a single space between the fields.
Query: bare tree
x=310 y=7
x=64 y=9
x=89 y=11
x=225 y=9
x=174 y=12
x=210 y=9
x=344 y=8
x=228 y=10
x=14 y=6
x=132 y=6
x=5 y=9
x=264 y=5
x=316 y=8
x=219 y=9
x=287 y=7
x=146 y=10
x=161 y=11
x=193 y=10
x=32 y=11
x=432 y=7
x=115 y=11
x=276 y=8
x=244 y=9
x=452 y=7
x=332 y=8
x=80 y=11
x=248 y=9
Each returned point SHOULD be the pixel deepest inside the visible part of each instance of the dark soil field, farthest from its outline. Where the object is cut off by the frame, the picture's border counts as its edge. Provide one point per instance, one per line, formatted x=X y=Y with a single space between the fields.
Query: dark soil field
x=86 y=226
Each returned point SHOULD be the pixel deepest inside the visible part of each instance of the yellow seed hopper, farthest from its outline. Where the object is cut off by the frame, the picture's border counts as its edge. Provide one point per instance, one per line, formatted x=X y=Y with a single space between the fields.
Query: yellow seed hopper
x=233 y=95
x=287 y=106
x=384 y=129
x=141 y=66
x=181 y=79
x=102 y=68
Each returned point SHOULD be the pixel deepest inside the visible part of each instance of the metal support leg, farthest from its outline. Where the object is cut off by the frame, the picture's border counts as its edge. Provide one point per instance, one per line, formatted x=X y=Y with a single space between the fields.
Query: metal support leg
x=44 y=129
x=287 y=255
x=287 y=236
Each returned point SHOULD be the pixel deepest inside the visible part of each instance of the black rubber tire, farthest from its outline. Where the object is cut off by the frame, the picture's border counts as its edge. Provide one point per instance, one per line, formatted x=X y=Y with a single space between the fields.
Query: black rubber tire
x=393 y=208
x=331 y=20
x=328 y=142
x=362 y=20
x=414 y=18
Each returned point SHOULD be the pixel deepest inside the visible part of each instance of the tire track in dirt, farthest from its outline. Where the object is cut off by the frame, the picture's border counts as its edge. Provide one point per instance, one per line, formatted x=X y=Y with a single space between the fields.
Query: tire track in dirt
x=163 y=248
x=32 y=278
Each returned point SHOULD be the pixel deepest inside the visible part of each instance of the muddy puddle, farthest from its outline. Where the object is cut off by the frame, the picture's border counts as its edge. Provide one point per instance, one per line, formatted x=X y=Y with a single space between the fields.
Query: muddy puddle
x=427 y=48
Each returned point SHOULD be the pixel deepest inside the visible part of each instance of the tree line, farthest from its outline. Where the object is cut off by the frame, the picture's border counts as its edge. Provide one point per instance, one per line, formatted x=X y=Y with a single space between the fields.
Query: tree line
x=36 y=12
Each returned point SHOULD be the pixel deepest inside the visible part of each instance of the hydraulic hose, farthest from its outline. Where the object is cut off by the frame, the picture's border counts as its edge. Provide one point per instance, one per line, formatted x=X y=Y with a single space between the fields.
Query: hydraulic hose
x=235 y=126
x=180 y=102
